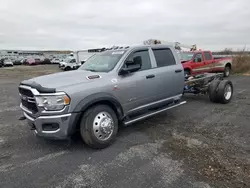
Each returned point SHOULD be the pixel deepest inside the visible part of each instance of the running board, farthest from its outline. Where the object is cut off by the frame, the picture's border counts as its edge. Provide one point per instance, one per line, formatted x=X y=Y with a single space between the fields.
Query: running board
x=152 y=113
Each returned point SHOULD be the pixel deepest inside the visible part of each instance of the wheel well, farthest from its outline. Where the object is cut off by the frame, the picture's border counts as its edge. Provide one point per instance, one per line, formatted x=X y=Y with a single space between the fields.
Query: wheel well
x=187 y=69
x=116 y=109
x=228 y=65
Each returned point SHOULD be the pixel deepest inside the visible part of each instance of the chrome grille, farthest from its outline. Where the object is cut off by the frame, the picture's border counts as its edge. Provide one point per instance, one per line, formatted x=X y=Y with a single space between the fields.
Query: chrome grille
x=28 y=100
x=25 y=92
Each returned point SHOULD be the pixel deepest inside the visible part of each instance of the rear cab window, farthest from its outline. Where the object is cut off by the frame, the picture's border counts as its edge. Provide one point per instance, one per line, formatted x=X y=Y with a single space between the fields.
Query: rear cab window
x=164 y=57
x=208 y=56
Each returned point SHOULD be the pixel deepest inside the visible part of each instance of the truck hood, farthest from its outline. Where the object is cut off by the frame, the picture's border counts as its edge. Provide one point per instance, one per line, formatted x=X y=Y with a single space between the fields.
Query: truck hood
x=58 y=81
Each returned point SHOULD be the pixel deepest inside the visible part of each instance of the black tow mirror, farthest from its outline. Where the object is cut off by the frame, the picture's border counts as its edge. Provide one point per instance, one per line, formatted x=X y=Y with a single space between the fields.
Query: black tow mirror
x=130 y=66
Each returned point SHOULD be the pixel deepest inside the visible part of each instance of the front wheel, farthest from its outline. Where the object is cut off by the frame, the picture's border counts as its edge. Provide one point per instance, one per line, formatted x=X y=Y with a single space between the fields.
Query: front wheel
x=67 y=69
x=187 y=72
x=99 y=126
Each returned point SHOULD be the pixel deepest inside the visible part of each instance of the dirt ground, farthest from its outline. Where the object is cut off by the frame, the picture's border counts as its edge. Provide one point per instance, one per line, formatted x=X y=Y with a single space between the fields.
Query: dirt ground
x=198 y=145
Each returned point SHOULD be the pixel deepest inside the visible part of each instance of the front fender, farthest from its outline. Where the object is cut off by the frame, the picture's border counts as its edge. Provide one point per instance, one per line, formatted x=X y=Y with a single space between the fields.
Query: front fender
x=98 y=97
x=88 y=101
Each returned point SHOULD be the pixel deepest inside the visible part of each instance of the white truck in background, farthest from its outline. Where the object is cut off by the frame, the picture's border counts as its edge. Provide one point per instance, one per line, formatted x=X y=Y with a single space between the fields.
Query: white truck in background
x=76 y=59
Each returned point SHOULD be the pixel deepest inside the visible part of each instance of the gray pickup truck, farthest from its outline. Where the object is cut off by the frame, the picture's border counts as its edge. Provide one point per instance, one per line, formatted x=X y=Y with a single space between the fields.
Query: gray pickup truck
x=115 y=87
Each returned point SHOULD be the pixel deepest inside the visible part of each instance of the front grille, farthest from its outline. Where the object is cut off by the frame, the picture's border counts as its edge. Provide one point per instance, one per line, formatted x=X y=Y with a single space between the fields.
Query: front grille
x=30 y=106
x=25 y=92
x=28 y=100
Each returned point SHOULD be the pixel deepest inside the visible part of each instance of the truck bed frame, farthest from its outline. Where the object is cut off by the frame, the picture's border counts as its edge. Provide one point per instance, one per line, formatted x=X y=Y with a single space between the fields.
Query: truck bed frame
x=200 y=83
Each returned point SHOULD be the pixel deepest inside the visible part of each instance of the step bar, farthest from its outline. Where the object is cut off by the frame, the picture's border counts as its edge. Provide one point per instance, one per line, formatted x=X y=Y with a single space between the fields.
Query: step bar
x=153 y=113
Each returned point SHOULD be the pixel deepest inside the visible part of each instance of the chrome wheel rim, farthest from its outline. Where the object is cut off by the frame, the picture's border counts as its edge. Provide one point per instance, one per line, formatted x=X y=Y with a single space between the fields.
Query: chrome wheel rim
x=228 y=92
x=103 y=126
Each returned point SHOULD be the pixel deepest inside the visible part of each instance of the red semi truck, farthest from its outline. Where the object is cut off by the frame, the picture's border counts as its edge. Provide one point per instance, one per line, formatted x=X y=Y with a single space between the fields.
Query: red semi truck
x=197 y=62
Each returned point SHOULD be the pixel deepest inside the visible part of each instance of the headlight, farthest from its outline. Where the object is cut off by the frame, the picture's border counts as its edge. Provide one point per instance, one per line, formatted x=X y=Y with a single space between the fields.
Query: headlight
x=53 y=102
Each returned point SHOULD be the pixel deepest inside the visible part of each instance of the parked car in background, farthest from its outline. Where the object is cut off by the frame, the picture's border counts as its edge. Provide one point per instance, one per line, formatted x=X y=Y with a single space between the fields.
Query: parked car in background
x=38 y=61
x=62 y=64
x=17 y=62
x=1 y=62
x=69 y=64
x=55 y=61
x=32 y=61
x=23 y=61
x=8 y=63
x=46 y=61
x=198 y=62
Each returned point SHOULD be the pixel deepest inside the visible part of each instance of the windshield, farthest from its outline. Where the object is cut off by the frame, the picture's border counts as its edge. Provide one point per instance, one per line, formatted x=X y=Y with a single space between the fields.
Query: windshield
x=186 y=56
x=103 y=62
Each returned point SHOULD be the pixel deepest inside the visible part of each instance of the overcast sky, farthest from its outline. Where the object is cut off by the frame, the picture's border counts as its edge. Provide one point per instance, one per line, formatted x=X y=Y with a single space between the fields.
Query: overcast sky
x=81 y=24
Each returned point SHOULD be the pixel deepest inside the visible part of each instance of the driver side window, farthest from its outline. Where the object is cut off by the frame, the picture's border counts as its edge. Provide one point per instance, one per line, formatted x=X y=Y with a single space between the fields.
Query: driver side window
x=143 y=57
x=198 y=58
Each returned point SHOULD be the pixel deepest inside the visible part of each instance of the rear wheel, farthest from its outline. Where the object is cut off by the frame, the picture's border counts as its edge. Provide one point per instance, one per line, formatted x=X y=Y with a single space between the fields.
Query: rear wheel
x=212 y=90
x=99 y=126
x=227 y=71
x=225 y=92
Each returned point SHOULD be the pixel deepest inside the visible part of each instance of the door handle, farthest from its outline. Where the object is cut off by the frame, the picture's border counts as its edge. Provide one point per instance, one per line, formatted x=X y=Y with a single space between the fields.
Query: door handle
x=178 y=70
x=150 y=76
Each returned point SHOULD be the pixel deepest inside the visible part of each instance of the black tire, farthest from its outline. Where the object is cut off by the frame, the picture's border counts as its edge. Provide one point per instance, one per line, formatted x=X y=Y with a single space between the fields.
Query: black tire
x=87 y=127
x=67 y=69
x=227 y=71
x=225 y=86
x=212 y=90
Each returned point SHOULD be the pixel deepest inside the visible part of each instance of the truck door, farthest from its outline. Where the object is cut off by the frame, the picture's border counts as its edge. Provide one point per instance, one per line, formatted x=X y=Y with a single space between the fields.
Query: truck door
x=137 y=89
x=169 y=74
x=208 y=61
x=198 y=65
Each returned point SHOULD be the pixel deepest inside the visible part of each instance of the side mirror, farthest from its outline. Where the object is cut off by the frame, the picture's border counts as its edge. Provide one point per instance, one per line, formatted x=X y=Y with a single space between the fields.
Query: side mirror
x=131 y=66
x=199 y=59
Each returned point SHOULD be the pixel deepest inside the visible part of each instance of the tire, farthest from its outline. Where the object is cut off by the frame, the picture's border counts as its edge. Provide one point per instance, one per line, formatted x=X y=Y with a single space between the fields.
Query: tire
x=225 y=92
x=67 y=69
x=212 y=90
x=90 y=128
x=227 y=71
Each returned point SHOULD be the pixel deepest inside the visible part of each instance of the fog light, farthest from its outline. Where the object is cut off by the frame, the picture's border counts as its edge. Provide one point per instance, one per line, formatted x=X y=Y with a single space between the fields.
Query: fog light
x=50 y=127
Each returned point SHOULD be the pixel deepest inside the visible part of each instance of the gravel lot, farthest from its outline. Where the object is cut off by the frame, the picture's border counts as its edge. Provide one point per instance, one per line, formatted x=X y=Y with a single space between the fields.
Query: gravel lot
x=197 y=145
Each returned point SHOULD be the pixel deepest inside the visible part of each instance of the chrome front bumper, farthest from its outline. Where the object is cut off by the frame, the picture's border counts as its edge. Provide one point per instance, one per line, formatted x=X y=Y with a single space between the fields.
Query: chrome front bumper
x=62 y=120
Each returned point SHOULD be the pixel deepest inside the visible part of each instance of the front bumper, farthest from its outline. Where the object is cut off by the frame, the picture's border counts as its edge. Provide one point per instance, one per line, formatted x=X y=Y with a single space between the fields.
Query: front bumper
x=8 y=65
x=63 y=122
x=50 y=124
